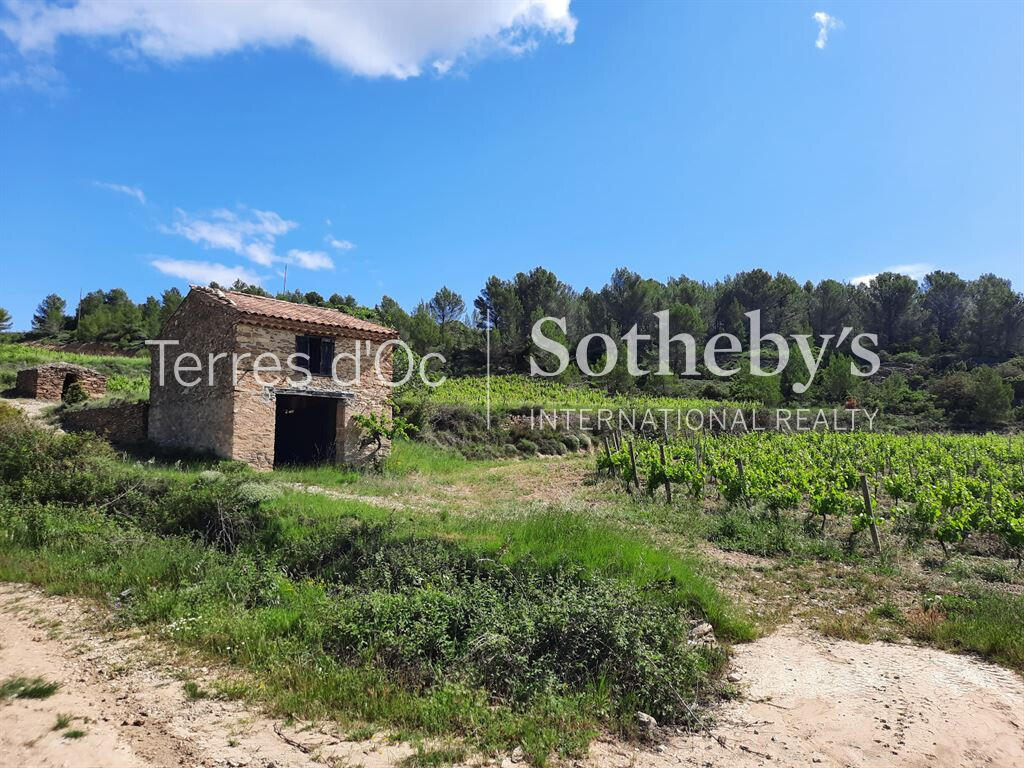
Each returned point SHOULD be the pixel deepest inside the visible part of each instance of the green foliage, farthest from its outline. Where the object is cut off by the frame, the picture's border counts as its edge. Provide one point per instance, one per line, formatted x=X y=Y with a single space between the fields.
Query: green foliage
x=377 y=427
x=194 y=693
x=46 y=468
x=514 y=392
x=5 y=320
x=945 y=487
x=526 y=633
x=979 y=397
x=766 y=390
x=989 y=624
x=75 y=393
x=49 y=316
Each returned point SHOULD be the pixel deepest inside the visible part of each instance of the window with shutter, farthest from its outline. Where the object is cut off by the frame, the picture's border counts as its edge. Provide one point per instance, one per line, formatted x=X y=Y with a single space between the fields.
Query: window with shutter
x=320 y=354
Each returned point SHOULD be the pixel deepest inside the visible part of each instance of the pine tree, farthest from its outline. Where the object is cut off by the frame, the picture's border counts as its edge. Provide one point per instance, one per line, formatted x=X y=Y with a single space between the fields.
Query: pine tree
x=49 y=316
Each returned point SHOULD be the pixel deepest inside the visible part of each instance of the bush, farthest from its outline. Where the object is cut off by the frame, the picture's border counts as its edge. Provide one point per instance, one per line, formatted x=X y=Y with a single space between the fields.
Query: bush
x=429 y=608
x=527 y=447
x=980 y=397
x=993 y=396
x=46 y=468
x=75 y=393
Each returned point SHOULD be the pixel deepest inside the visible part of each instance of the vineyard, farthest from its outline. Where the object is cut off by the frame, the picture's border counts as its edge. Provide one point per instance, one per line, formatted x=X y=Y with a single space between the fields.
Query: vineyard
x=938 y=487
x=511 y=391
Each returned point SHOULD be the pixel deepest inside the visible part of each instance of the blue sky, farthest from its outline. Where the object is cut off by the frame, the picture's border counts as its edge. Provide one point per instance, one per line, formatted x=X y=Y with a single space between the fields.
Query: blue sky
x=413 y=151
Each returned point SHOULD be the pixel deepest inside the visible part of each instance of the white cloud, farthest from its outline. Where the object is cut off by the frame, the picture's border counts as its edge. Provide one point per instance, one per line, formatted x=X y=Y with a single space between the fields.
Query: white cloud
x=826 y=24
x=123 y=189
x=249 y=232
x=916 y=271
x=310 y=259
x=393 y=39
x=203 y=272
x=37 y=73
x=341 y=245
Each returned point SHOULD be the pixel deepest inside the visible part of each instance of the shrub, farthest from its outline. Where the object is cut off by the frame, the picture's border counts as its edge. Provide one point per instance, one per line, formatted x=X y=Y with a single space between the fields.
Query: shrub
x=993 y=396
x=75 y=393
x=571 y=442
x=46 y=468
x=439 y=613
x=527 y=447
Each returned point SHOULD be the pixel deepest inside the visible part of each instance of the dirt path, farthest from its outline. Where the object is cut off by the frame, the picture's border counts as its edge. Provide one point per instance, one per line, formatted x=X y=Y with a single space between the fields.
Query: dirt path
x=123 y=691
x=814 y=700
x=807 y=700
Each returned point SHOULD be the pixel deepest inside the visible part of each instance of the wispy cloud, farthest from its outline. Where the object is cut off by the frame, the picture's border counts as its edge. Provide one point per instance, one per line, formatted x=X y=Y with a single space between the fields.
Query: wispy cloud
x=203 y=272
x=123 y=189
x=247 y=232
x=310 y=259
x=916 y=271
x=398 y=39
x=341 y=245
x=826 y=24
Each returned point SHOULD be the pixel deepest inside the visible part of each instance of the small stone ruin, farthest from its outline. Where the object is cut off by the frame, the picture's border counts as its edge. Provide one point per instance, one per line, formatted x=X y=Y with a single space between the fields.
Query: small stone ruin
x=52 y=380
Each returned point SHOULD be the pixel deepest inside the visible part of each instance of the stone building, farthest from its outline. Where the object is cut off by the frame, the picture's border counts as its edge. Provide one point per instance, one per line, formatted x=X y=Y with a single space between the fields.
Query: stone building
x=222 y=404
x=52 y=380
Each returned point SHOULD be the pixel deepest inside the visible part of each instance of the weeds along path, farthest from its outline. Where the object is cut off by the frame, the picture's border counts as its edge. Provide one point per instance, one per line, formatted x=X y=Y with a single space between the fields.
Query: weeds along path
x=126 y=694
x=36 y=411
x=809 y=700
x=511 y=485
x=806 y=700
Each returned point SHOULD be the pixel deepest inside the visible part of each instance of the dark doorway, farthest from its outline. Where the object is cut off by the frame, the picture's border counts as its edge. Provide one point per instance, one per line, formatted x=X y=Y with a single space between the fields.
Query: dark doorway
x=305 y=429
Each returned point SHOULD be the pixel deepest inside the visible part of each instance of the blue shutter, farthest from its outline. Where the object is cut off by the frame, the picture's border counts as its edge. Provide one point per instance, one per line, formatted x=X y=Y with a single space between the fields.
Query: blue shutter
x=302 y=348
x=326 y=356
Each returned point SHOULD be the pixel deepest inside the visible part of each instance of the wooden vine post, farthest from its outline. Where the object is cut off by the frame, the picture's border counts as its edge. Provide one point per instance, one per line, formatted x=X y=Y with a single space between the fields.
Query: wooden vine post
x=632 y=462
x=608 y=453
x=743 y=479
x=668 y=483
x=871 y=515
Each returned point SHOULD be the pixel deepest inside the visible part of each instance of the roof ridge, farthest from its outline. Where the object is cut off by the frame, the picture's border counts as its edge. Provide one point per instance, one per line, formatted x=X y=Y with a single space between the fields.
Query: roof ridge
x=254 y=305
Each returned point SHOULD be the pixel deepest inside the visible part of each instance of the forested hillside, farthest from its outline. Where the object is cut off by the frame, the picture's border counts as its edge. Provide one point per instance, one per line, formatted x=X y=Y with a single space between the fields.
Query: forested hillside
x=950 y=348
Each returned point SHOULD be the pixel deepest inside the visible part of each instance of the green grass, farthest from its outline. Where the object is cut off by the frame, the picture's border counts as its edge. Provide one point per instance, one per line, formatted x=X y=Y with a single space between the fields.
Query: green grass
x=74 y=733
x=63 y=721
x=508 y=392
x=25 y=355
x=407 y=457
x=127 y=377
x=544 y=539
x=981 y=622
x=434 y=758
x=194 y=693
x=533 y=632
x=27 y=688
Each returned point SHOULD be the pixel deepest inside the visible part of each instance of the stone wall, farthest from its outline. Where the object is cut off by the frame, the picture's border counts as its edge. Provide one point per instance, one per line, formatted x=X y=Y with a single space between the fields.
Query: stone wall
x=48 y=382
x=235 y=416
x=195 y=418
x=255 y=400
x=120 y=423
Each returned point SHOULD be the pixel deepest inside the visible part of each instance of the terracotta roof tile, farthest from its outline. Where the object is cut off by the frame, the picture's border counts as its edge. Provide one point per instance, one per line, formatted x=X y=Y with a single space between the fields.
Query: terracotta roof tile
x=276 y=309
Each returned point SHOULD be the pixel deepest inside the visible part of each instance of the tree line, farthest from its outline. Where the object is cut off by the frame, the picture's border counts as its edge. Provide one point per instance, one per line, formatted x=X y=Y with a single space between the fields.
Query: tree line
x=952 y=324
x=944 y=314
